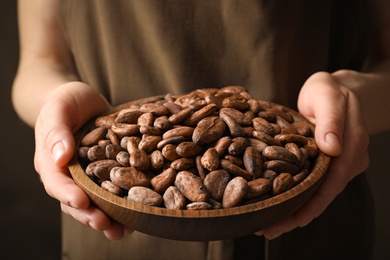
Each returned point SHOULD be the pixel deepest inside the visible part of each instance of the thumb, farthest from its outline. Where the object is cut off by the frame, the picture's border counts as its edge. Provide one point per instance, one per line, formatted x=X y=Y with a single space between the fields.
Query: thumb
x=323 y=102
x=69 y=108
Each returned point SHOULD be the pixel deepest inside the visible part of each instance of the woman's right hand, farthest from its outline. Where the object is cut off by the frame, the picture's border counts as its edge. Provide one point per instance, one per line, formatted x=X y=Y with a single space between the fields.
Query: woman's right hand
x=71 y=106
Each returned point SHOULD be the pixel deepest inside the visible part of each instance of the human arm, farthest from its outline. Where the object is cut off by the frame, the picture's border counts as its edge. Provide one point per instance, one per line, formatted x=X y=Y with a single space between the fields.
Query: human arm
x=351 y=105
x=48 y=96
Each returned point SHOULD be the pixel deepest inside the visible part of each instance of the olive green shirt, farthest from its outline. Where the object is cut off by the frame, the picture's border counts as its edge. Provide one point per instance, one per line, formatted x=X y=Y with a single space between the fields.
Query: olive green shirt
x=139 y=48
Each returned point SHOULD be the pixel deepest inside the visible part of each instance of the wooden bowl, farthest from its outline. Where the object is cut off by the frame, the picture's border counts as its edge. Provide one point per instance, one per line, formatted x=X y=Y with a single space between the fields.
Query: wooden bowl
x=199 y=225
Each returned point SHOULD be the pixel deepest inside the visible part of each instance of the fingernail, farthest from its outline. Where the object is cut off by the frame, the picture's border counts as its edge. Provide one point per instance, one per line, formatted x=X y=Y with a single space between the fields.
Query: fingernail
x=128 y=231
x=259 y=233
x=332 y=140
x=71 y=204
x=276 y=234
x=57 y=151
x=306 y=222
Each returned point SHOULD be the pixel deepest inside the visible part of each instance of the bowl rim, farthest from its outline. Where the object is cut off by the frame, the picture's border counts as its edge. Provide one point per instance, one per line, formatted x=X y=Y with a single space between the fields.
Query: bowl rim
x=89 y=185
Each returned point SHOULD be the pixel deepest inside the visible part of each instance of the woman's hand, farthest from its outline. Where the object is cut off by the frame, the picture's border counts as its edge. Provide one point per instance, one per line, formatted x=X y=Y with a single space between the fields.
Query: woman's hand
x=70 y=107
x=327 y=101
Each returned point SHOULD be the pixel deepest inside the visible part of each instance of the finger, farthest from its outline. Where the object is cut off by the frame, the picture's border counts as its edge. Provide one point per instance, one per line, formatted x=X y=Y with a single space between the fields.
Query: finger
x=96 y=219
x=72 y=105
x=323 y=102
x=57 y=182
x=90 y=216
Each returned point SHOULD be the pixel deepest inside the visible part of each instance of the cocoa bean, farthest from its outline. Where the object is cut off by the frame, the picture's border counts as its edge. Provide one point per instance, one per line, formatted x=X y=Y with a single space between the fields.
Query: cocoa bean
x=210 y=159
x=174 y=199
x=191 y=186
x=144 y=196
x=234 y=192
x=208 y=130
x=216 y=182
x=282 y=183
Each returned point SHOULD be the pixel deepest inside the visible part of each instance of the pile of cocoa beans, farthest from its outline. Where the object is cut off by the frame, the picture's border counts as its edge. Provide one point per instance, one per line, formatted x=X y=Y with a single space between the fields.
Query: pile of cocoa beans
x=208 y=149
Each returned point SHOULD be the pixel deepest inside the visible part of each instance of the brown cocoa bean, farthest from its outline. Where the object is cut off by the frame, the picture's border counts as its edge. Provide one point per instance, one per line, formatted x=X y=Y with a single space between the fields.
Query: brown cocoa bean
x=269 y=174
x=198 y=206
x=258 y=187
x=139 y=159
x=263 y=125
x=208 y=130
x=96 y=153
x=235 y=170
x=279 y=112
x=145 y=119
x=302 y=128
x=132 y=143
x=235 y=160
x=182 y=164
x=200 y=169
x=94 y=136
x=169 y=152
x=285 y=126
x=238 y=146
x=254 y=106
x=222 y=144
x=279 y=153
x=234 y=128
x=180 y=116
x=280 y=166
x=184 y=131
x=111 y=187
x=191 y=186
x=174 y=199
x=240 y=117
x=112 y=137
x=82 y=153
x=236 y=101
x=162 y=123
x=128 y=116
x=127 y=177
x=191 y=100
x=257 y=144
x=173 y=107
x=149 y=130
x=155 y=109
x=197 y=116
x=216 y=182
x=112 y=150
x=210 y=159
x=234 y=192
x=123 y=129
x=291 y=138
x=162 y=181
x=173 y=141
x=311 y=147
x=299 y=177
x=188 y=149
x=253 y=161
x=265 y=138
x=156 y=160
x=123 y=158
x=144 y=196
x=101 y=169
x=149 y=143
x=282 y=183
x=105 y=121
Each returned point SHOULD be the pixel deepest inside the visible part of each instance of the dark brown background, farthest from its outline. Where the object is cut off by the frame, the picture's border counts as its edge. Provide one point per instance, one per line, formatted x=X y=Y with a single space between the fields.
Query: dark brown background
x=30 y=219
